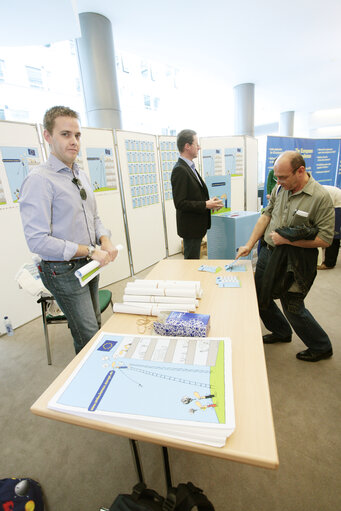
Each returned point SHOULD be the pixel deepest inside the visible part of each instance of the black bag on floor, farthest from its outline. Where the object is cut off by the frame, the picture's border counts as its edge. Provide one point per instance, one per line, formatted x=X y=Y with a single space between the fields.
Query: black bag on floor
x=182 y=498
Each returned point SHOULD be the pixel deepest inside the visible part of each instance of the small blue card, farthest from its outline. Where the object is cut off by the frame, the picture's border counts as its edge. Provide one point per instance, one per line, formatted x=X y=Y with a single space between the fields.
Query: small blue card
x=231 y=281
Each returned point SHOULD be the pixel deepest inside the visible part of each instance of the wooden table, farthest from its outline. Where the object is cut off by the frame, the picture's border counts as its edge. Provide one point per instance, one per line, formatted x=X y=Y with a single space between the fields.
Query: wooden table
x=234 y=314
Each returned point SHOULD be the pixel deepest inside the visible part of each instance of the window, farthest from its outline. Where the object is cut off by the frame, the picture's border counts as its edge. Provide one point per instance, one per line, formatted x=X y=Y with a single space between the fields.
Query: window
x=72 y=47
x=156 y=103
x=34 y=82
x=34 y=77
x=145 y=69
x=2 y=69
x=125 y=65
x=147 y=104
x=2 y=114
x=18 y=115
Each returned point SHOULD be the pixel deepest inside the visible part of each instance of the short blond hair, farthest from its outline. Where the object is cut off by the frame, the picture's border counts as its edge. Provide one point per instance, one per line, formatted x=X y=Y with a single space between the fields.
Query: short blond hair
x=57 y=111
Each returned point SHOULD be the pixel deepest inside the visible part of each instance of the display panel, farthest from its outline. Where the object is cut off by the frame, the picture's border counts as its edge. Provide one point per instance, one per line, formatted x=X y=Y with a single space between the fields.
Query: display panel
x=169 y=156
x=139 y=167
x=20 y=150
x=99 y=160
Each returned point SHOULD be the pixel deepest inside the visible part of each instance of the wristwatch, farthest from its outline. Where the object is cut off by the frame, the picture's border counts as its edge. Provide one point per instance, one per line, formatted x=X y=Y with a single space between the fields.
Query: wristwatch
x=91 y=251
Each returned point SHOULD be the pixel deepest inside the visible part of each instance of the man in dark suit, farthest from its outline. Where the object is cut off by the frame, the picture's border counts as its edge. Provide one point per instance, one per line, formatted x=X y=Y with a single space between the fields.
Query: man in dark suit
x=190 y=196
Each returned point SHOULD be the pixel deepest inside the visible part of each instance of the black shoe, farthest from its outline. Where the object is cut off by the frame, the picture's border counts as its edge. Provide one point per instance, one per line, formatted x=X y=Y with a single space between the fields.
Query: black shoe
x=312 y=356
x=271 y=338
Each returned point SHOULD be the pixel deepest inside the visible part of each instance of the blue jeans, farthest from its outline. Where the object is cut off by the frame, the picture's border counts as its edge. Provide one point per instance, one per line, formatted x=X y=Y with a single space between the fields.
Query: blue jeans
x=80 y=305
x=192 y=248
x=296 y=315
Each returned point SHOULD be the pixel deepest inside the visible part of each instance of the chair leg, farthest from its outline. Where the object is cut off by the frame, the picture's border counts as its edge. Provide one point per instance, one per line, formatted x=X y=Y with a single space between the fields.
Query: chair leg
x=46 y=333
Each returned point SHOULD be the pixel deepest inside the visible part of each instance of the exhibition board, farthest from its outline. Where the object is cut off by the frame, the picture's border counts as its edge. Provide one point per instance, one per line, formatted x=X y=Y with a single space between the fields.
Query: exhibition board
x=169 y=155
x=253 y=441
x=322 y=157
x=237 y=157
x=139 y=167
x=20 y=148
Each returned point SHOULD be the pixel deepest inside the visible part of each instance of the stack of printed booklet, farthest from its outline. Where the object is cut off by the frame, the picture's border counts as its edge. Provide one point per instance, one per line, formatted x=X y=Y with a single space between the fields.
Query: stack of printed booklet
x=178 y=387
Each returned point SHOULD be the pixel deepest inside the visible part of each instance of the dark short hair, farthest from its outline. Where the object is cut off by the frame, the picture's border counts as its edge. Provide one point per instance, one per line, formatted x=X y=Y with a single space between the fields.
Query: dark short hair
x=183 y=138
x=54 y=112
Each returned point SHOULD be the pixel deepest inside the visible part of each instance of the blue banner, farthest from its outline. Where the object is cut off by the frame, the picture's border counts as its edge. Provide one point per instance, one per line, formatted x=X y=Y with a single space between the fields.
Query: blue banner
x=322 y=158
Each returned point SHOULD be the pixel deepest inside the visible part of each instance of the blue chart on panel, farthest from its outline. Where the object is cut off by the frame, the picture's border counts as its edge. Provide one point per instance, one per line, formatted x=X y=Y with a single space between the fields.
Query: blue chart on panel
x=141 y=160
x=18 y=161
x=234 y=161
x=212 y=162
x=169 y=157
x=101 y=165
x=217 y=162
x=220 y=186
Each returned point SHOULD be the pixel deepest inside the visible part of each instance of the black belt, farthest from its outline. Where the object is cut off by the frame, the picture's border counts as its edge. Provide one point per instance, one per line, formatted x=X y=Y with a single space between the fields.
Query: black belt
x=269 y=247
x=75 y=259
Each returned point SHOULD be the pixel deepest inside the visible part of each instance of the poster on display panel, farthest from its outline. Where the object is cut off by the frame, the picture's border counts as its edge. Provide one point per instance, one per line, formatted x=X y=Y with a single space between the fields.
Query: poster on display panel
x=20 y=151
x=235 y=157
x=169 y=155
x=322 y=157
x=139 y=168
x=99 y=162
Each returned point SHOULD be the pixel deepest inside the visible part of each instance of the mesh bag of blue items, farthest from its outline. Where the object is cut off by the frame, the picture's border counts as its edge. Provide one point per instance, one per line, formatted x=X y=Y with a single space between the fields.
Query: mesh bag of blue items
x=20 y=495
x=182 y=324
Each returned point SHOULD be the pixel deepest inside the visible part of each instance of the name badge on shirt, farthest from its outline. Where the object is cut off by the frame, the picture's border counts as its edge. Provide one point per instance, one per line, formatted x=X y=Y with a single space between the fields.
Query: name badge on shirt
x=299 y=212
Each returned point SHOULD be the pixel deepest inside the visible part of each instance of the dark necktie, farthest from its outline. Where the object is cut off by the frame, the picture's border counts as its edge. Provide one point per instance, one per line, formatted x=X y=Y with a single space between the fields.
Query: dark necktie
x=196 y=173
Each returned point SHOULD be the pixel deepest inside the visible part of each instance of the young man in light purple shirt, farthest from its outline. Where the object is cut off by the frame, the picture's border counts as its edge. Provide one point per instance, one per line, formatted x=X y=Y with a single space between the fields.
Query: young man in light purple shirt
x=61 y=225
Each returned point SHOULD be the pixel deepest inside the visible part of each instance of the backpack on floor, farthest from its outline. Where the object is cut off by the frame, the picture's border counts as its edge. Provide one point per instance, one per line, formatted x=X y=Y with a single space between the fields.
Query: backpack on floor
x=20 y=495
x=182 y=498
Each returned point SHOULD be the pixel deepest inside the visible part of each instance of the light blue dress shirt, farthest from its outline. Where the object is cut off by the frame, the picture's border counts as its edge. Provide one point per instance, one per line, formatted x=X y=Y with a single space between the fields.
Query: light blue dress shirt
x=55 y=218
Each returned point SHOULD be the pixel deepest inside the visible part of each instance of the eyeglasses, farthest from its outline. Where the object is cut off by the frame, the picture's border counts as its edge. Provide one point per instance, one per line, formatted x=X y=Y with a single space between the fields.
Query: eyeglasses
x=82 y=192
x=284 y=178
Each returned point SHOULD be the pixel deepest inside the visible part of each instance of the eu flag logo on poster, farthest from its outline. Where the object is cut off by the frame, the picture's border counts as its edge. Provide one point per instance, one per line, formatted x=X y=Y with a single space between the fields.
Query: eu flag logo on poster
x=107 y=345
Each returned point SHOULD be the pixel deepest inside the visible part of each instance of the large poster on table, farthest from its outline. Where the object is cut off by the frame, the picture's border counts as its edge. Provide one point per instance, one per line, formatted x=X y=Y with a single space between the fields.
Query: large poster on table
x=322 y=157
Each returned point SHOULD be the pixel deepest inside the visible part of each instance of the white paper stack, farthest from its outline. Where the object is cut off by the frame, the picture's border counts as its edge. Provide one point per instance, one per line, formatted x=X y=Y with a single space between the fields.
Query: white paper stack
x=150 y=297
x=180 y=388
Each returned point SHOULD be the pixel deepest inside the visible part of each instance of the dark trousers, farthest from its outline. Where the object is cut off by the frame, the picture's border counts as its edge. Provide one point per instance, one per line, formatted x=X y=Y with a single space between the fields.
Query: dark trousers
x=192 y=248
x=296 y=315
x=331 y=253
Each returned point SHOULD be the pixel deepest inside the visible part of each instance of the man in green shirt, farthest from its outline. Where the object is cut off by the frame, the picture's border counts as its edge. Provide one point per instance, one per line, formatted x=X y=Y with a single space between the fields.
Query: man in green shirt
x=270 y=183
x=298 y=201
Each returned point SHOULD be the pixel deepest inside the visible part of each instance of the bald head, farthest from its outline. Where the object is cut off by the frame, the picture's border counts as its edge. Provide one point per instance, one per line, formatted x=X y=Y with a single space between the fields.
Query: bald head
x=293 y=158
x=289 y=169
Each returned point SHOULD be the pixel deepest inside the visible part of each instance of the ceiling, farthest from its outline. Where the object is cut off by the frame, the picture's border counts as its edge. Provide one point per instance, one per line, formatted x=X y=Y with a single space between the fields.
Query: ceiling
x=290 y=50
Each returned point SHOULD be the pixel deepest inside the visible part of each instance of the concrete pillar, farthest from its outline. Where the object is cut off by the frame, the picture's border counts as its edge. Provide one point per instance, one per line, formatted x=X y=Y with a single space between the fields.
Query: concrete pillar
x=98 y=71
x=244 y=109
x=286 y=124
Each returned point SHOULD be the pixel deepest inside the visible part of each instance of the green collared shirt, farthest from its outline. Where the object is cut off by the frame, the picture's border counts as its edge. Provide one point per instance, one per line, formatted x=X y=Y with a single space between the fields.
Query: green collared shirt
x=311 y=206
